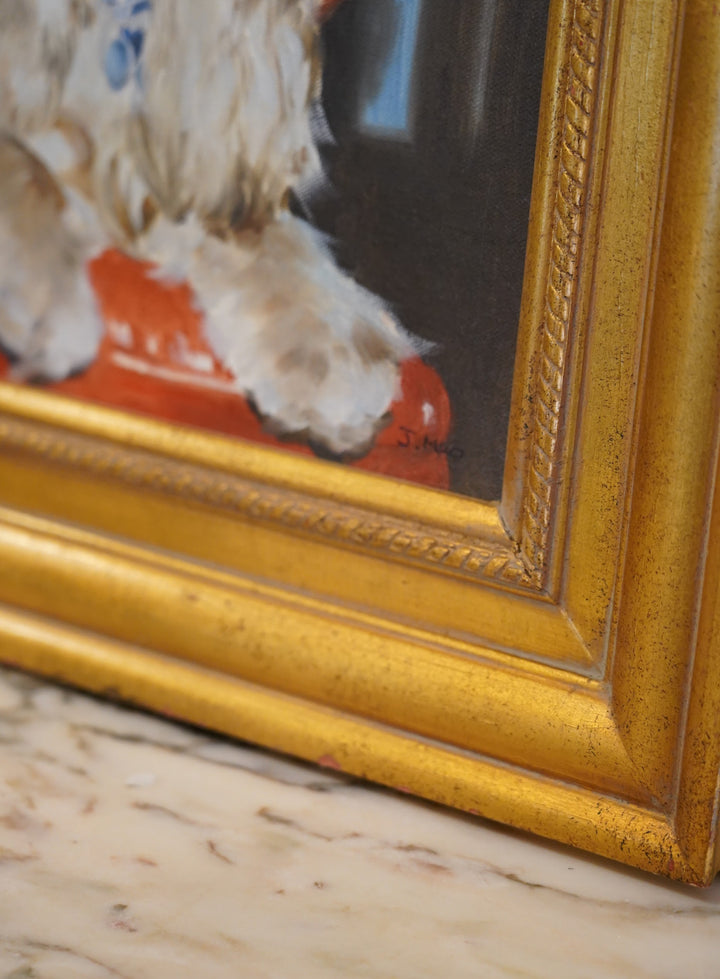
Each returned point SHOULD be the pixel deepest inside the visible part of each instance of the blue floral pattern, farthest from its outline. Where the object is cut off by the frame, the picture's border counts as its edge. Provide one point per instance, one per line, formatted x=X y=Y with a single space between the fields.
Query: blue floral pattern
x=123 y=57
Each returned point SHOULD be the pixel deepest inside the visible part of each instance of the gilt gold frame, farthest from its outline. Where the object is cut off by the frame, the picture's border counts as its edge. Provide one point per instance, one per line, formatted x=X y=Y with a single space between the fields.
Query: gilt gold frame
x=550 y=661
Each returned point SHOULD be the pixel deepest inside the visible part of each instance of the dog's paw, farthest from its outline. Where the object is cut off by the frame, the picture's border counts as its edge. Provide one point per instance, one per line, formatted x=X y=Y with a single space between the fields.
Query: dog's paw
x=48 y=320
x=61 y=342
x=335 y=393
x=317 y=355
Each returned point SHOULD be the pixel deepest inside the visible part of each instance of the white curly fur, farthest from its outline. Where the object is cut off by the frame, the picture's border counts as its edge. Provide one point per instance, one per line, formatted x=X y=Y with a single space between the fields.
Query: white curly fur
x=188 y=165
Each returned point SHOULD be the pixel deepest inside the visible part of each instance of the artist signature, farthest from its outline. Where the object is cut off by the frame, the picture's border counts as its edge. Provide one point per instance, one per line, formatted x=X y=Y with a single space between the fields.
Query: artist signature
x=413 y=440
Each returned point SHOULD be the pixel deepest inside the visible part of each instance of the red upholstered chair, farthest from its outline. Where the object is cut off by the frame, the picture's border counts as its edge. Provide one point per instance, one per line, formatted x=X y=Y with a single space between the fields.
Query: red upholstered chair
x=154 y=359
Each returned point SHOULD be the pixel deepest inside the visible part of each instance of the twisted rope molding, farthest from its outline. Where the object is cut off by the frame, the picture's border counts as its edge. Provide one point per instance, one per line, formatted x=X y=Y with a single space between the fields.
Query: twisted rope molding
x=567 y=230
x=344 y=525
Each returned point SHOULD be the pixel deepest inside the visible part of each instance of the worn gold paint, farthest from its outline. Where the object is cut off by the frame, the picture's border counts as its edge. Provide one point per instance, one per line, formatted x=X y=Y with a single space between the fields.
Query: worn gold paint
x=550 y=661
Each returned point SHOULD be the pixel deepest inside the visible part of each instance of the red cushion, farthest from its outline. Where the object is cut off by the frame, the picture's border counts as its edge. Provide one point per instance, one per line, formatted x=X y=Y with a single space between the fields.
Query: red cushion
x=154 y=359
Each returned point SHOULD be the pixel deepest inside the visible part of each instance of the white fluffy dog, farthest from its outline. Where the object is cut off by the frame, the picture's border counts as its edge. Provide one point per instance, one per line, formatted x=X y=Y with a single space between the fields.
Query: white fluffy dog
x=175 y=129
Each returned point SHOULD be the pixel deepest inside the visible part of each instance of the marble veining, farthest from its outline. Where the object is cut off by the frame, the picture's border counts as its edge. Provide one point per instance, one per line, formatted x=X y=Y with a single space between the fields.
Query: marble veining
x=136 y=848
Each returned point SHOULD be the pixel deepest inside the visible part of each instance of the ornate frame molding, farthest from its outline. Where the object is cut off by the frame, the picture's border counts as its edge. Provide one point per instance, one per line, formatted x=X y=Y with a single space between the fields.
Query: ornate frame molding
x=578 y=125
x=252 y=500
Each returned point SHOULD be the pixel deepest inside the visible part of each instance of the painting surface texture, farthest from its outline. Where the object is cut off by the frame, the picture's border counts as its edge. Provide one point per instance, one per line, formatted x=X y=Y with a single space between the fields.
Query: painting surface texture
x=292 y=221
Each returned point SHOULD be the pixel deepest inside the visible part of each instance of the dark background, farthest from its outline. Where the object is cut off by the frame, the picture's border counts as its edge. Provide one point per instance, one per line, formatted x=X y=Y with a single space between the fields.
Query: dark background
x=434 y=218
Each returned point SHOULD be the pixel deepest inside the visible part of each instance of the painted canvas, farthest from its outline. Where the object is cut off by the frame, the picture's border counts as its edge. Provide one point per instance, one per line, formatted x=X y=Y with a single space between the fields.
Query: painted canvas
x=300 y=222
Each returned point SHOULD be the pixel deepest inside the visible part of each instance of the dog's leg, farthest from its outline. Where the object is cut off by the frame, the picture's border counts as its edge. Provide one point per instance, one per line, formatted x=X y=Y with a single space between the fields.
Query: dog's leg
x=48 y=319
x=37 y=45
x=220 y=134
x=221 y=125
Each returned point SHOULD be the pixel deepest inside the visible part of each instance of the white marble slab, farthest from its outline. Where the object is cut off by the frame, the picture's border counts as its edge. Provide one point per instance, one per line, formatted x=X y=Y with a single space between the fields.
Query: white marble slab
x=132 y=847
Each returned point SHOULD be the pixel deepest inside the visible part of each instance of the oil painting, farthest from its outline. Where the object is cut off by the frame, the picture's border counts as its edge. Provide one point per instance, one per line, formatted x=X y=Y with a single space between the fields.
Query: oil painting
x=299 y=222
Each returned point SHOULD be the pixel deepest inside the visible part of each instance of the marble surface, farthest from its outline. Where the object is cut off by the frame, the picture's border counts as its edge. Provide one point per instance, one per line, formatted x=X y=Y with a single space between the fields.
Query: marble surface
x=132 y=847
